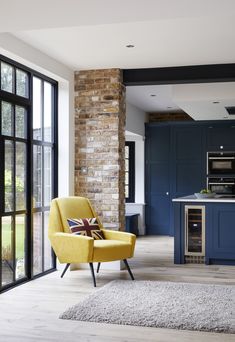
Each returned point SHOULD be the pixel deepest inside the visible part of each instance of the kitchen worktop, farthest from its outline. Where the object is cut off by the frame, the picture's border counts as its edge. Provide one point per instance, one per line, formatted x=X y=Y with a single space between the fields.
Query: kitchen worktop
x=216 y=199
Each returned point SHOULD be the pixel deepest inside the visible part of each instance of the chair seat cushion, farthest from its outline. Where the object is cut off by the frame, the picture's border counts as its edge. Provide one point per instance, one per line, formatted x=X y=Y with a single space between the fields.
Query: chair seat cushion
x=110 y=250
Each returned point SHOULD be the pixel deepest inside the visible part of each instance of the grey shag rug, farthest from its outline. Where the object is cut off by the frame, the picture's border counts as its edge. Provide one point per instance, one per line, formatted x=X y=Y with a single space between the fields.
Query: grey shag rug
x=159 y=304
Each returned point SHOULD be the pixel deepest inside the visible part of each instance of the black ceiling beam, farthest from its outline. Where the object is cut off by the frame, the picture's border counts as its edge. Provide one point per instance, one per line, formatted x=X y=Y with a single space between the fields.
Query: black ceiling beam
x=176 y=75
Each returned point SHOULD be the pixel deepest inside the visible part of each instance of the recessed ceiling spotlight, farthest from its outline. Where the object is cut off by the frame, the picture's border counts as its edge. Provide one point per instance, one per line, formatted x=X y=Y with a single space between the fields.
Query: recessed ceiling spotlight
x=129 y=46
x=169 y=107
x=153 y=95
x=216 y=102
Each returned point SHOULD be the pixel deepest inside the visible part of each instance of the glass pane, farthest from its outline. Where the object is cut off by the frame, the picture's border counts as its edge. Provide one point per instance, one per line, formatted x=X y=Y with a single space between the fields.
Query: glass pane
x=7 y=72
x=126 y=191
x=8 y=175
x=127 y=165
x=37 y=243
x=20 y=124
x=7 y=126
x=48 y=261
x=7 y=251
x=47 y=176
x=126 y=151
x=37 y=109
x=22 y=83
x=20 y=246
x=47 y=111
x=20 y=179
x=37 y=176
x=194 y=230
x=126 y=178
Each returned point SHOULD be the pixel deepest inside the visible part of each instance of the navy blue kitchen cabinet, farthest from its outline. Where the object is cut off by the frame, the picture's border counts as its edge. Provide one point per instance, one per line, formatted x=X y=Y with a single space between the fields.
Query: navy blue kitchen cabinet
x=220 y=137
x=176 y=159
x=221 y=233
x=158 y=180
x=189 y=168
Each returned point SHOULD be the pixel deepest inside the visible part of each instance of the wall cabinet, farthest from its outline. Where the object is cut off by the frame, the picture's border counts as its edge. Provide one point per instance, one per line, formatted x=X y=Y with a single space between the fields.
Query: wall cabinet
x=220 y=137
x=188 y=166
x=176 y=159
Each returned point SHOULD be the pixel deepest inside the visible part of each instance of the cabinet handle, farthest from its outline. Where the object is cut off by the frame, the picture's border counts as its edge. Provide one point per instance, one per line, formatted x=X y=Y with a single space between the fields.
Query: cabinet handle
x=221 y=158
x=186 y=230
x=222 y=183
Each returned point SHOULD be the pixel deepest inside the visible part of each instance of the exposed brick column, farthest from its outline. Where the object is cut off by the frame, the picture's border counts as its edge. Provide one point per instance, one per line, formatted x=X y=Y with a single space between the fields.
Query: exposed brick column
x=100 y=143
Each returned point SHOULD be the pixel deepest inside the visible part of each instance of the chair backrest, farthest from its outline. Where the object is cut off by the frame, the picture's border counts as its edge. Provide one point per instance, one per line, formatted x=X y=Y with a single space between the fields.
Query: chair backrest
x=68 y=207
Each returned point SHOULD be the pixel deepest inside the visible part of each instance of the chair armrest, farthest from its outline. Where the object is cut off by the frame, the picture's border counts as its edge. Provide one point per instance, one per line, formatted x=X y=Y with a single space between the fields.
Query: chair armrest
x=122 y=236
x=71 y=248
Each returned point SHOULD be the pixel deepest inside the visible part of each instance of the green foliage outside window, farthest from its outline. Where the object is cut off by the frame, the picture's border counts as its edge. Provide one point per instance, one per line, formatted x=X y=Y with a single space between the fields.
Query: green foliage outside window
x=19 y=185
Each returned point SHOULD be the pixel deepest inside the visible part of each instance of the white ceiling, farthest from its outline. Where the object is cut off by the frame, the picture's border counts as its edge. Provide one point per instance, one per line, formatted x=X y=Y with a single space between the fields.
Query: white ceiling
x=90 y=34
x=198 y=100
x=140 y=96
x=85 y=34
x=194 y=99
x=44 y=14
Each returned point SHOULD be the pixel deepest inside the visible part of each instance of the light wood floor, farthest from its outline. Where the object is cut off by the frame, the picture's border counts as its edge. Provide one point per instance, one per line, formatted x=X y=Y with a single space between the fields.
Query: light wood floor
x=30 y=312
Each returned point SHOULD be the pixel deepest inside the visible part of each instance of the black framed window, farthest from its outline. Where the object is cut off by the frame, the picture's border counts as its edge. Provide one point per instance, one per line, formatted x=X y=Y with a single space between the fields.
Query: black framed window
x=28 y=171
x=130 y=171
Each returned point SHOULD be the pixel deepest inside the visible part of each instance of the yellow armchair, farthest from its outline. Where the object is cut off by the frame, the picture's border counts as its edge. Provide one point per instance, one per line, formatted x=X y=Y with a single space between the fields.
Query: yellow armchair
x=71 y=248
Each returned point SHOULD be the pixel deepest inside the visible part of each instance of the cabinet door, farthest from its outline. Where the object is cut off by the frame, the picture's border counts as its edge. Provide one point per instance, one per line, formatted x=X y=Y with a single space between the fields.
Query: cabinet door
x=222 y=232
x=158 y=181
x=189 y=160
x=221 y=137
x=159 y=203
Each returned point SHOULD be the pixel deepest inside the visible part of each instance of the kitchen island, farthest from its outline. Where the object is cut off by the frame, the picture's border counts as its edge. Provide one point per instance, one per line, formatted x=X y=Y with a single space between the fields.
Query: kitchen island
x=204 y=230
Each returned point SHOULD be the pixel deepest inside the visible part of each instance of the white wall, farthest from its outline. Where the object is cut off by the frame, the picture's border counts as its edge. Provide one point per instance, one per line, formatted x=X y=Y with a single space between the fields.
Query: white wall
x=135 y=131
x=23 y=53
x=135 y=119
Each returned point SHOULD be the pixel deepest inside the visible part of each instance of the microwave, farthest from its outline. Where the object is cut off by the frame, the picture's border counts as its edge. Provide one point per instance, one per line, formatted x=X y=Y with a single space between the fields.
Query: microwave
x=220 y=163
x=222 y=186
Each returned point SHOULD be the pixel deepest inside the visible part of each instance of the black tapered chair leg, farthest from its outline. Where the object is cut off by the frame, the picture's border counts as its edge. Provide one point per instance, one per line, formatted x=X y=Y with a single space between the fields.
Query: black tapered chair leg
x=128 y=269
x=65 y=269
x=92 y=273
x=98 y=267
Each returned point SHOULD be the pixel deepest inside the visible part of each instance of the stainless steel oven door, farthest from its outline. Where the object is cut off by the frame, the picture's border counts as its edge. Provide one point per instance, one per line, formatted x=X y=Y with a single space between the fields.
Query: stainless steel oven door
x=222 y=186
x=221 y=165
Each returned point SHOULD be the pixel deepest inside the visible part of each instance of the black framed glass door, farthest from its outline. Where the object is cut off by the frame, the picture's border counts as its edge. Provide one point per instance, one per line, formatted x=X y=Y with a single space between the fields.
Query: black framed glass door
x=28 y=171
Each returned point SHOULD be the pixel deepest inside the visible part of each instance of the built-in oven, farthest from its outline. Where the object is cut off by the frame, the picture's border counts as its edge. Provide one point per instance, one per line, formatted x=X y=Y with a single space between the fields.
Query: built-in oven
x=220 y=163
x=222 y=186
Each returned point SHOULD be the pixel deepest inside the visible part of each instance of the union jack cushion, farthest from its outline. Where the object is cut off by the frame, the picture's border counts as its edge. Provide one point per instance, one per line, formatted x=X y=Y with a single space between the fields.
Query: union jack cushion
x=86 y=226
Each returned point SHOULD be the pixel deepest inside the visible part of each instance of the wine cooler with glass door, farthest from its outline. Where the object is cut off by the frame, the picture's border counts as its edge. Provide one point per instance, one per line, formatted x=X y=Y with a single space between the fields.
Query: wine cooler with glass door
x=194 y=234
